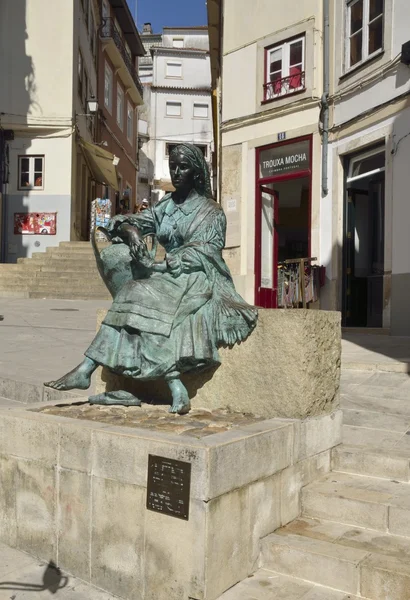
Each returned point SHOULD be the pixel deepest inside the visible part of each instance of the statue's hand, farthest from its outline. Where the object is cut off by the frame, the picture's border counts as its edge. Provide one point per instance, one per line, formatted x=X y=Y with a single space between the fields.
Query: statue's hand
x=140 y=254
x=174 y=265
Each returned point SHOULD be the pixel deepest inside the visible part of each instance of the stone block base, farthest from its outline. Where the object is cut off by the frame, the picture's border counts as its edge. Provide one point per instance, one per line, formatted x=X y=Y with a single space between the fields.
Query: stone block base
x=74 y=491
x=289 y=367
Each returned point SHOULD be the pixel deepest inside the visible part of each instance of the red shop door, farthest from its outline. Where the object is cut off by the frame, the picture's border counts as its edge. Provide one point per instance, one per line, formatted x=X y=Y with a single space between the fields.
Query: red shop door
x=267 y=248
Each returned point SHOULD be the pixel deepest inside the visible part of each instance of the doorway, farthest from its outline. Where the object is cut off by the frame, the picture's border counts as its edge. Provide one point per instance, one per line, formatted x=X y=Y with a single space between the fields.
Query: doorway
x=363 y=252
x=283 y=213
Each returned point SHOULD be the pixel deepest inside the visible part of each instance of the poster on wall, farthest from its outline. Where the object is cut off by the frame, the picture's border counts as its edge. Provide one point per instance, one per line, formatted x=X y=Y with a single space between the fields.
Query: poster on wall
x=100 y=215
x=35 y=223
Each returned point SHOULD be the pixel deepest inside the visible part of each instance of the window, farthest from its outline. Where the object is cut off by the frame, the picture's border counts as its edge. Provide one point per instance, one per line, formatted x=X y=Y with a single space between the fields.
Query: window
x=285 y=69
x=174 y=109
x=108 y=87
x=178 y=42
x=130 y=122
x=120 y=107
x=200 y=111
x=31 y=172
x=80 y=68
x=174 y=69
x=364 y=28
x=367 y=164
x=170 y=147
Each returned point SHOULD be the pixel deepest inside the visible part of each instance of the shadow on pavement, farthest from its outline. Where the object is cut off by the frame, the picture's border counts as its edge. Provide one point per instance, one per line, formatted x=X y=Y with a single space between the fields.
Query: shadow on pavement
x=53 y=580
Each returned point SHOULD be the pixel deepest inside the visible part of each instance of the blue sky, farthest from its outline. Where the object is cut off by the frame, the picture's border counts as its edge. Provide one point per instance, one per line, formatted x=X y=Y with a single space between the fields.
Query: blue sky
x=170 y=13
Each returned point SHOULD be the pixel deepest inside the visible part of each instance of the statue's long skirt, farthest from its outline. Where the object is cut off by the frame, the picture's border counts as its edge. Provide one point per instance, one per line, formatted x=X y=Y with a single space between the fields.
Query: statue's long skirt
x=157 y=326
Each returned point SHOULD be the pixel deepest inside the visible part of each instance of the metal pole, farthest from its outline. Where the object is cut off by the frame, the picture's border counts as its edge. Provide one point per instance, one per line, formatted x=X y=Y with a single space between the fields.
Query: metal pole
x=325 y=98
x=3 y=199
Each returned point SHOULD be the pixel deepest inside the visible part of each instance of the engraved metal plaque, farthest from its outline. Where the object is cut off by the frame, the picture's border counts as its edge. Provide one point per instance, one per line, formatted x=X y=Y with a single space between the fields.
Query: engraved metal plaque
x=169 y=483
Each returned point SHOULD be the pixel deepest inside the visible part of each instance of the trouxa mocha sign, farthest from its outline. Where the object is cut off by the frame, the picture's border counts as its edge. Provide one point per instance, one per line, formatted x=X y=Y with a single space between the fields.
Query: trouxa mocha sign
x=288 y=158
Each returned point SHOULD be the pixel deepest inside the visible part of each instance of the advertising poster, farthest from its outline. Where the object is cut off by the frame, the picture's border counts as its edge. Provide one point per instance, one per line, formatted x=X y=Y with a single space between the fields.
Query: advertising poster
x=35 y=223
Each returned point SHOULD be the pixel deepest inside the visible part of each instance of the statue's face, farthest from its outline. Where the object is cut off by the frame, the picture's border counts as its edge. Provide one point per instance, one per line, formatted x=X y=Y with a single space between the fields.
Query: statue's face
x=182 y=172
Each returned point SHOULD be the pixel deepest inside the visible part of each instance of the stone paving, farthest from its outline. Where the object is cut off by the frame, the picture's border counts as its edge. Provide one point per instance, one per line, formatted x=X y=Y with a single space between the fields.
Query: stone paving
x=376 y=352
x=48 y=338
x=41 y=340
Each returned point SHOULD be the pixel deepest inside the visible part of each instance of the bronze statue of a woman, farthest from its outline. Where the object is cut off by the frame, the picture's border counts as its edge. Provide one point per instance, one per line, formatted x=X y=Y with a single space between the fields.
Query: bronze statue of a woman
x=170 y=317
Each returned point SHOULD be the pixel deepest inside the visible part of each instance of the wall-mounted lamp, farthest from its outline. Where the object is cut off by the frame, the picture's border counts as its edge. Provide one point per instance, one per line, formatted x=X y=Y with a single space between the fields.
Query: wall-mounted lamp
x=92 y=105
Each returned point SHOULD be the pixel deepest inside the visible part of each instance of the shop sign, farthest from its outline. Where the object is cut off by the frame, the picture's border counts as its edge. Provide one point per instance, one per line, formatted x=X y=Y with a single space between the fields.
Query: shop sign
x=35 y=223
x=280 y=160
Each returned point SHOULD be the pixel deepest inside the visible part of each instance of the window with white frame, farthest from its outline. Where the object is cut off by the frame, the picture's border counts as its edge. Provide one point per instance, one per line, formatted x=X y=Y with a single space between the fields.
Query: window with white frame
x=200 y=111
x=130 y=121
x=174 y=69
x=120 y=107
x=178 y=42
x=285 y=68
x=174 y=109
x=31 y=172
x=108 y=84
x=364 y=30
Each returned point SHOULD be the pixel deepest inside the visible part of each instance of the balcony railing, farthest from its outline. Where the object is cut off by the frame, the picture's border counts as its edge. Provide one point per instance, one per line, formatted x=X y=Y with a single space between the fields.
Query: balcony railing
x=284 y=87
x=109 y=30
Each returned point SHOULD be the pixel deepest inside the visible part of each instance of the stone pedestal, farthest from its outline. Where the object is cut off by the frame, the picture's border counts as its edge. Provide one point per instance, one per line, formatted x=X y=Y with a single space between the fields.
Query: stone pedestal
x=74 y=491
x=288 y=367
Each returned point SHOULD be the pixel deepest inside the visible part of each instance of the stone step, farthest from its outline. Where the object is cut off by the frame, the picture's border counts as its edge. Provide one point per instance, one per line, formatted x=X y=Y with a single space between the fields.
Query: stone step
x=39 y=257
x=349 y=559
x=360 y=501
x=35 y=276
x=377 y=391
x=12 y=268
x=78 y=246
x=372 y=462
x=267 y=584
x=14 y=294
x=58 y=295
x=56 y=286
x=73 y=244
x=69 y=267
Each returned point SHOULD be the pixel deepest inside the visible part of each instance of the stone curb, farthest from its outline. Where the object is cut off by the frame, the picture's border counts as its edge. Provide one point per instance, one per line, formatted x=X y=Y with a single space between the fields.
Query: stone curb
x=29 y=393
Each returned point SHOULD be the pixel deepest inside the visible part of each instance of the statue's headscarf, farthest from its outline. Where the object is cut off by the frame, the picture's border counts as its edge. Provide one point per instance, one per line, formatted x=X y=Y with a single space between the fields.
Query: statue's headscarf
x=198 y=162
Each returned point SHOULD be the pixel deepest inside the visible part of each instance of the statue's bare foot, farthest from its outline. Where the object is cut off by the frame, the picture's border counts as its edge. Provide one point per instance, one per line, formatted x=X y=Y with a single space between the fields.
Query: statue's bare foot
x=180 y=398
x=77 y=379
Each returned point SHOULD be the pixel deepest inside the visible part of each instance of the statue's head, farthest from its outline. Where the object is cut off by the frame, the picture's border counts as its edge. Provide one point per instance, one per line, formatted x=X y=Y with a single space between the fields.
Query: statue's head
x=189 y=170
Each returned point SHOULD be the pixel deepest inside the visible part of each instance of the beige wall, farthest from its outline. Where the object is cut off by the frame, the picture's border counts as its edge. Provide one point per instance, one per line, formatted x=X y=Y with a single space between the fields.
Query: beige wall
x=248 y=123
x=245 y=23
x=35 y=58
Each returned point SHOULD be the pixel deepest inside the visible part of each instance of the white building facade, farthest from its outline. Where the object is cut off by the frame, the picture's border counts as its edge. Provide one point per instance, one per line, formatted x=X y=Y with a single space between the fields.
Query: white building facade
x=179 y=104
x=364 y=223
x=313 y=150
x=50 y=74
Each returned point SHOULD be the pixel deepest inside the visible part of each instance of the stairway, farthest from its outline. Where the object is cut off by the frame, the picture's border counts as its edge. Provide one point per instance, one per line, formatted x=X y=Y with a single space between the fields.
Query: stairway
x=352 y=540
x=67 y=271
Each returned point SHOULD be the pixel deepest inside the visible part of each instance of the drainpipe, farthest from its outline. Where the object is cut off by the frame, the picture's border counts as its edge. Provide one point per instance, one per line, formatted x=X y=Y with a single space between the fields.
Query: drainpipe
x=3 y=199
x=325 y=98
